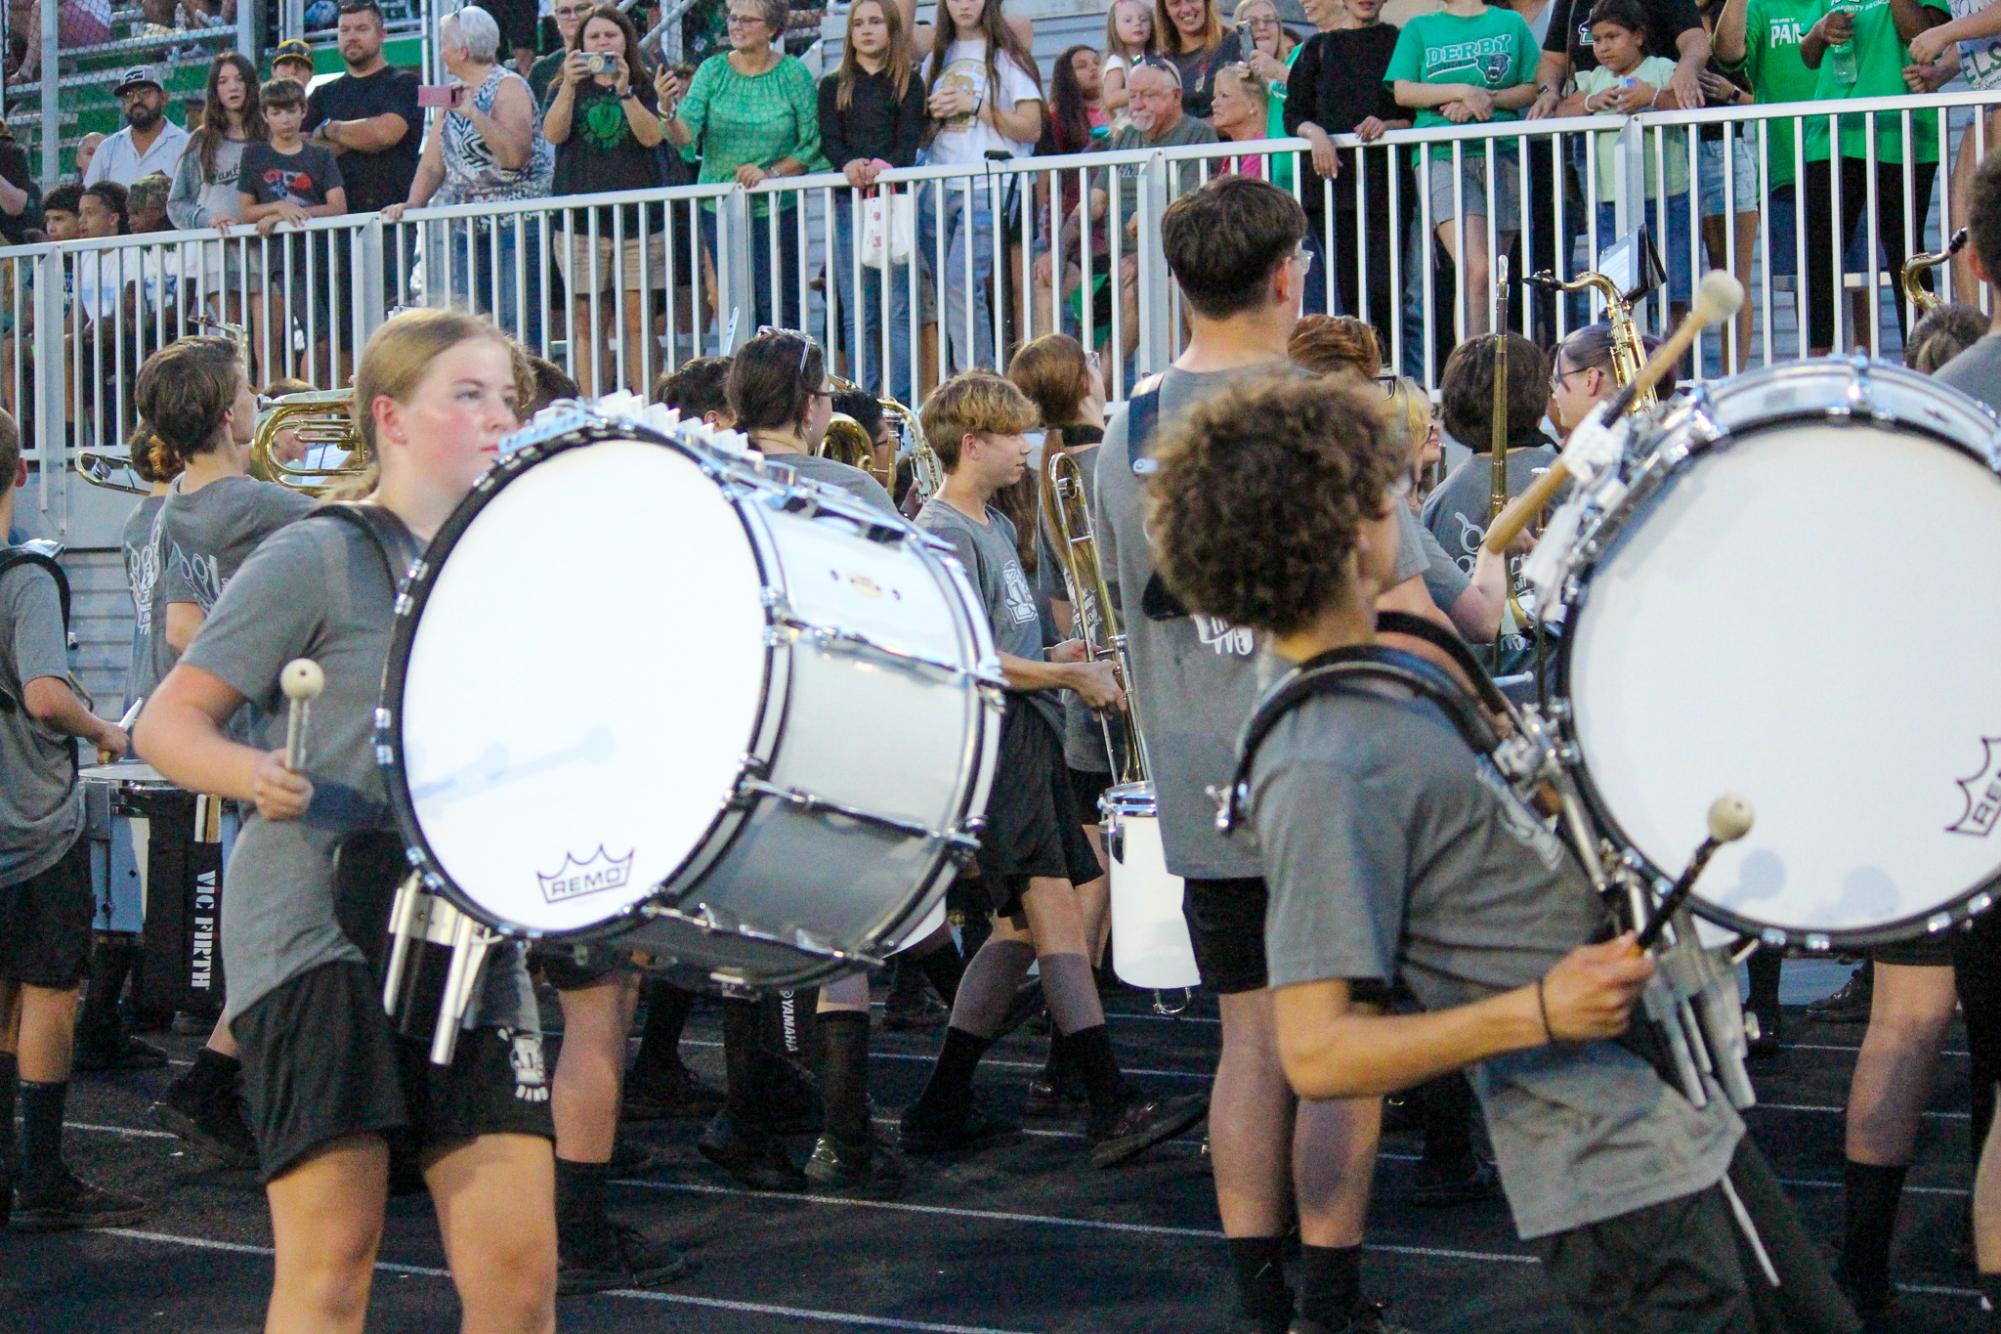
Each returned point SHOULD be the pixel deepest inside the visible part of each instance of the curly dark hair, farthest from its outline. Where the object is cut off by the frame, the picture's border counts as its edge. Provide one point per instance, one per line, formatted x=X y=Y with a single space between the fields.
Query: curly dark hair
x=1260 y=493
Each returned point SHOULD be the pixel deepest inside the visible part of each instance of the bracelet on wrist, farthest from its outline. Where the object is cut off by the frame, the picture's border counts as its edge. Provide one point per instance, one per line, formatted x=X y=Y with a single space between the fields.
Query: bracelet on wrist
x=1542 y=1008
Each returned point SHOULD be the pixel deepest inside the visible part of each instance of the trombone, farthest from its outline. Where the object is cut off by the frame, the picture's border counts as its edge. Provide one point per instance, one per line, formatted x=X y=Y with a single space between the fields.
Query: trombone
x=1915 y=292
x=1063 y=501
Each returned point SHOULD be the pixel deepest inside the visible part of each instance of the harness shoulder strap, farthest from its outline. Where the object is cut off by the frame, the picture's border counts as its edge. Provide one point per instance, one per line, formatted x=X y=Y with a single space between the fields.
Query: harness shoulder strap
x=1142 y=424
x=1453 y=647
x=12 y=556
x=384 y=530
x=1347 y=671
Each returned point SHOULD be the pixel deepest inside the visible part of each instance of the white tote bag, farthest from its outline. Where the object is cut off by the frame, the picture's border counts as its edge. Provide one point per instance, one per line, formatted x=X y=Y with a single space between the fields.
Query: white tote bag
x=889 y=228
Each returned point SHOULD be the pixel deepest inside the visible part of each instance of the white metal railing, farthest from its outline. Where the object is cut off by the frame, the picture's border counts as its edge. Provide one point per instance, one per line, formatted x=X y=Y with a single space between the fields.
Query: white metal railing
x=619 y=287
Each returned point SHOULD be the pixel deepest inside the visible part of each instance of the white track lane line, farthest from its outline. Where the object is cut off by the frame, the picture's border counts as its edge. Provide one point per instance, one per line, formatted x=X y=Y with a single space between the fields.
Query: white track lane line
x=671 y=1298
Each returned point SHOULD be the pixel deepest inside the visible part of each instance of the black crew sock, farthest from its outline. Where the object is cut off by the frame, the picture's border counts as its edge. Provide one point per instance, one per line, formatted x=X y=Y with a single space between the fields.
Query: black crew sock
x=743 y=1036
x=943 y=968
x=844 y=1074
x=9 y=1072
x=1764 y=970
x=1089 y=1053
x=906 y=984
x=212 y=1067
x=581 y=1224
x=1056 y=1066
x=1869 y=1204
x=659 y=1057
x=41 y=1133
x=1330 y=1283
x=1260 y=1266
x=950 y=1087
x=1990 y=1300
x=98 y=1021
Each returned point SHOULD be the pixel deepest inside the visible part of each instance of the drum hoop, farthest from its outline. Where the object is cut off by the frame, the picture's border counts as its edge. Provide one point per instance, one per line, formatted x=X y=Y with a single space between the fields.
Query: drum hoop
x=1623 y=522
x=413 y=594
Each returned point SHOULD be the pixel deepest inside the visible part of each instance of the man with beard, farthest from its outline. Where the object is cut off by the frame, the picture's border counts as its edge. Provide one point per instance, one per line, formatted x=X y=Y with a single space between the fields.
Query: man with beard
x=368 y=117
x=148 y=143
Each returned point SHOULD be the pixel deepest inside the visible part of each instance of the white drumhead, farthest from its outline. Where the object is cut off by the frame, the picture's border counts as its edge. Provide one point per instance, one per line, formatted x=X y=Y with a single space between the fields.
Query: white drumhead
x=583 y=681
x=1803 y=618
x=123 y=772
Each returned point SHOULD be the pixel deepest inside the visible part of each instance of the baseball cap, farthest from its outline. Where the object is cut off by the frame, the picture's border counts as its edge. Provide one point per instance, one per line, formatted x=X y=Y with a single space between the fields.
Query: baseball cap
x=293 y=48
x=136 y=76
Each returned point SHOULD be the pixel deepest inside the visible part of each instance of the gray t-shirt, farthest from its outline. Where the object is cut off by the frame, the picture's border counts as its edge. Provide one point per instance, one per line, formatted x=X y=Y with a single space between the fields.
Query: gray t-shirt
x=1083 y=735
x=993 y=566
x=142 y=574
x=204 y=538
x=1456 y=513
x=41 y=810
x=1976 y=372
x=1443 y=578
x=1197 y=677
x=1185 y=175
x=1395 y=852
x=316 y=590
x=833 y=472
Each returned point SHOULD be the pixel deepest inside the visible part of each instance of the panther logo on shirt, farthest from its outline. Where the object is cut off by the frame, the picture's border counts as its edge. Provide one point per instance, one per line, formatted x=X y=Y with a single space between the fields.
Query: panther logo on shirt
x=531 y=1080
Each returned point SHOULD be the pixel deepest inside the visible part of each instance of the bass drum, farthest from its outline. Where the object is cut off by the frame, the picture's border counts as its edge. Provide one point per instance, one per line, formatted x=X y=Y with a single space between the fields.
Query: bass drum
x=644 y=695
x=1787 y=604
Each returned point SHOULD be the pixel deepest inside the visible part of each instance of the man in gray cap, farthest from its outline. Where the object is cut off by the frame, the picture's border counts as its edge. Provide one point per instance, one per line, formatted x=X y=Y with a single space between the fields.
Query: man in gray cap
x=148 y=143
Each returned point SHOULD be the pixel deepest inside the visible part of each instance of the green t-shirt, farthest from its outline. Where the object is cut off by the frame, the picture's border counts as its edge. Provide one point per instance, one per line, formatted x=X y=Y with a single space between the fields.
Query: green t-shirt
x=1492 y=49
x=1880 y=57
x=1773 y=31
x=760 y=118
x=1656 y=70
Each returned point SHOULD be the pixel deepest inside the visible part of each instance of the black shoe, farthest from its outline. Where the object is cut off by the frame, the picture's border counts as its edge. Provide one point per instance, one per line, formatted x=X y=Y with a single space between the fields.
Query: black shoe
x=628 y=1159
x=210 y=1114
x=122 y=1052
x=1874 y=1303
x=142 y=1019
x=1439 y=1184
x=1850 y=1005
x=70 y=1202
x=621 y=1256
x=1048 y=1099
x=1369 y=1318
x=751 y=1154
x=926 y=1130
x=1142 y=1125
x=677 y=1096
x=921 y=1011
x=866 y=1167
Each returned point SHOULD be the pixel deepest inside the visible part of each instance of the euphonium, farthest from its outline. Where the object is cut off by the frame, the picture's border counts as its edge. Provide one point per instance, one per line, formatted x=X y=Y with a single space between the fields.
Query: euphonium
x=1916 y=266
x=848 y=442
x=1063 y=501
x=320 y=419
x=1628 y=353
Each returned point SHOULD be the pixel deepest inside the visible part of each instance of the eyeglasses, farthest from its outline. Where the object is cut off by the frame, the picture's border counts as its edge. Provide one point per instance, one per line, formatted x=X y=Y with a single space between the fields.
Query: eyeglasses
x=572 y=11
x=1092 y=359
x=1271 y=22
x=805 y=345
x=1557 y=375
x=745 y=20
x=1305 y=259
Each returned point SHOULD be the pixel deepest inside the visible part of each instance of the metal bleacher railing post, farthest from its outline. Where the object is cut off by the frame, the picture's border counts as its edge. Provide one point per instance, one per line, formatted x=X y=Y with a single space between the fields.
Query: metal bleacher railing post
x=51 y=93
x=51 y=399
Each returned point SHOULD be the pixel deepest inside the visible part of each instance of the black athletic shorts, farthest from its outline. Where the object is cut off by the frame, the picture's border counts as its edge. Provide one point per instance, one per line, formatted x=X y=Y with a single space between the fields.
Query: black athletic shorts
x=1226 y=925
x=1932 y=950
x=320 y=1062
x=1684 y=1265
x=1087 y=785
x=1031 y=828
x=45 y=923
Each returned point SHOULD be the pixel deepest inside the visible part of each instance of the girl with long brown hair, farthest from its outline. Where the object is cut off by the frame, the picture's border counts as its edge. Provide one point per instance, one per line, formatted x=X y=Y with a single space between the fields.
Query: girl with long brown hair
x=204 y=192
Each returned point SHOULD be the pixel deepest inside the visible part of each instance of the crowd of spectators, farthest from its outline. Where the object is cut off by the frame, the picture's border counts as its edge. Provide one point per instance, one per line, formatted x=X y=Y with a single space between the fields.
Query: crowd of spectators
x=960 y=86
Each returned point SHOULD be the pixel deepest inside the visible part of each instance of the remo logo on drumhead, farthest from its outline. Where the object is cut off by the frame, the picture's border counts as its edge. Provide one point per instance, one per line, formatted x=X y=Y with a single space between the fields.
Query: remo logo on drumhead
x=591 y=875
x=1983 y=794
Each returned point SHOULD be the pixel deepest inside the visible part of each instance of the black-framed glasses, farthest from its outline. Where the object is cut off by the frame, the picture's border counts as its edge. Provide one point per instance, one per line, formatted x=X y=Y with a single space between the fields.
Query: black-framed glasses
x=1388 y=382
x=1557 y=375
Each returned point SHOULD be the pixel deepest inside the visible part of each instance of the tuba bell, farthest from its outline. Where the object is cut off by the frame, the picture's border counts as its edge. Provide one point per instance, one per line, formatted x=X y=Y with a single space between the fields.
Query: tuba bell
x=322 y=421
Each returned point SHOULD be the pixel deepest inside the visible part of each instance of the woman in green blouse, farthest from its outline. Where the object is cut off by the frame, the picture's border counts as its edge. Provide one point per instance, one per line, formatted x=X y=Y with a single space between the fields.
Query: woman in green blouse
x=751 y=113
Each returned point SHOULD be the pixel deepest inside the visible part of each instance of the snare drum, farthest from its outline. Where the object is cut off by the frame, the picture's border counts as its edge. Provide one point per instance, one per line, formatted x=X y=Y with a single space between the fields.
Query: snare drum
x=1788 y=604
x=646 y=695
x=1150 y=943
x=121 y=804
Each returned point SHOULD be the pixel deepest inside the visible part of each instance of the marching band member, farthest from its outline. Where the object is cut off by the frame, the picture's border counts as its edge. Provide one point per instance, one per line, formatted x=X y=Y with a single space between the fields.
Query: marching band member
x=1235 y=247
x=1395 y=853
x=1031 y=854
x=332 y=1088
x=196 y=396
x=45 y=895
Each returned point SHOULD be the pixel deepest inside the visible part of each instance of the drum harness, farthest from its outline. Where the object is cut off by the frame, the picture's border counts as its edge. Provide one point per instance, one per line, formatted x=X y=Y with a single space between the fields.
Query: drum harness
x=1697 y=1028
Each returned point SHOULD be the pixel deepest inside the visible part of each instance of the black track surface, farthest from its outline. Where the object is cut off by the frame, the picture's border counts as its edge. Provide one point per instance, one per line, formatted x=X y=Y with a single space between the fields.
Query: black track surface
x=1023 y=1237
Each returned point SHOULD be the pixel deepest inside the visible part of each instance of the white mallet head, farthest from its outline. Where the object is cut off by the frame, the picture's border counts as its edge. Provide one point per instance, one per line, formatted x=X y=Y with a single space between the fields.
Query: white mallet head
x=1717 y=297
x=302 y=680
x=1729 y=818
